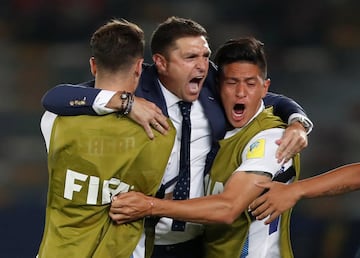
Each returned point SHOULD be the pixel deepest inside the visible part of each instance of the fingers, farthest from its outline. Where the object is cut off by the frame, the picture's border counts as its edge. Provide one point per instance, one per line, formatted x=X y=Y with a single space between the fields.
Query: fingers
x=160 y=127
x=149 y=131
x=129 y=206
x=120 y=214
x=286 y=157
x=119 y=218
x=160 y=124
x=257 y=207
x=291 y=143
x=254 y=206
x=285 y=151
x=149 y=116
x=260 y=209
x=272 y=217
x=280 y=155
x=157 y=122
x=264 y=184
x=161 y=118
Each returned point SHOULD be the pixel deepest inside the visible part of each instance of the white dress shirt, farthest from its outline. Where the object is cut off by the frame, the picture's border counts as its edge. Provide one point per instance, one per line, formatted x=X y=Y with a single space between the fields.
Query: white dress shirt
x=199 y=147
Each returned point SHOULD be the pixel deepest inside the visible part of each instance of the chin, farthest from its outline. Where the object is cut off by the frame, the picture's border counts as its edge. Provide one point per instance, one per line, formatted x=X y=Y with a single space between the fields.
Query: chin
x=191 y=98
x=237 y=123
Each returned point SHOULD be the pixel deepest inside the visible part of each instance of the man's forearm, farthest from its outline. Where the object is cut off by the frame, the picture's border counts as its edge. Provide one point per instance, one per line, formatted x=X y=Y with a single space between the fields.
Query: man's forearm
x=337 y=181
x=68 y=100
x=205 y=210
x=288 y=109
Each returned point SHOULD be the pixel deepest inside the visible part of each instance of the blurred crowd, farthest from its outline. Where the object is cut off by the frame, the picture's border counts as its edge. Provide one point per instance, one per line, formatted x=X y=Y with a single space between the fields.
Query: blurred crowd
x=314 y=57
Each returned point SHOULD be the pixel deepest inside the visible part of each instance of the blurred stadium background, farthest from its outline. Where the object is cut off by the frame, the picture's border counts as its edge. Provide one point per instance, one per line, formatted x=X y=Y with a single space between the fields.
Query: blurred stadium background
x=314 y=57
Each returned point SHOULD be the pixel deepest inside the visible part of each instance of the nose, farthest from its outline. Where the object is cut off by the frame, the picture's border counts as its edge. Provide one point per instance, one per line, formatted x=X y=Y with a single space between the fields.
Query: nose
x=240 y=91
x=202 y=64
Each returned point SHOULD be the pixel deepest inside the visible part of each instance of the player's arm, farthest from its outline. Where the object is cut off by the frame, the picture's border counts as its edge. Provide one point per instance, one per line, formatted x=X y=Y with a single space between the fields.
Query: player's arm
x=294 y=138
x=84 y=99
x=71 y=100
x=281 y=197
x=219 y=208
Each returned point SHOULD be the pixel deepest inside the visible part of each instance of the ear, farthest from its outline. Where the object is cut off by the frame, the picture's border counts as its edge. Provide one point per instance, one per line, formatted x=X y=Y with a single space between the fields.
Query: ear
x=160 y=62
x=267 y=83
x=92 y=66
x=138 y=67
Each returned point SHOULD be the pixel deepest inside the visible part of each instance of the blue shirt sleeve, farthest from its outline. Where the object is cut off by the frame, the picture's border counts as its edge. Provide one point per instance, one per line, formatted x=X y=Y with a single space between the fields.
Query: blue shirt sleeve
x=283 y=106
x=70 y=99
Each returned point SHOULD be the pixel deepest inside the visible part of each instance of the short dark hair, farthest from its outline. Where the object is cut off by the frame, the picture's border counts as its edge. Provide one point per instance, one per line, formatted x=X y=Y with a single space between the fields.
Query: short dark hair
x=171 y=30
x=117 y=44
x=247 y=49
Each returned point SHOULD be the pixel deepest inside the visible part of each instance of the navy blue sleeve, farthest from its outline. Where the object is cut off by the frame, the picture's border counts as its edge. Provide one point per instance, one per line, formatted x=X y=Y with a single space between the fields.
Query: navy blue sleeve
x=71 y=100
x=283 y=106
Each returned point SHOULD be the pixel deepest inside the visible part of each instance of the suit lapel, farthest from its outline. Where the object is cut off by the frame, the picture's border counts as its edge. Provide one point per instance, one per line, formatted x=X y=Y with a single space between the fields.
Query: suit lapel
x=149 y=88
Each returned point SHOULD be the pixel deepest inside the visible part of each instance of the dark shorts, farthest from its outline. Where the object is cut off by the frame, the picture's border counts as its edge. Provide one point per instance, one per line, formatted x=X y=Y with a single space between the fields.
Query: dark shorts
x=189 y=249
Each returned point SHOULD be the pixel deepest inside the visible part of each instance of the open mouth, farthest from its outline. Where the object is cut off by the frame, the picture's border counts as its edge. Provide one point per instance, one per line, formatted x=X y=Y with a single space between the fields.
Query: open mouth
x=195 y=83
x=196 y=80
x=239 y=109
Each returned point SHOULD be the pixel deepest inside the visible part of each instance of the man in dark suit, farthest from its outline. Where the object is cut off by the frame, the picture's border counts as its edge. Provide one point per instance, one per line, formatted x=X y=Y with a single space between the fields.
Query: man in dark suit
x=181 y=72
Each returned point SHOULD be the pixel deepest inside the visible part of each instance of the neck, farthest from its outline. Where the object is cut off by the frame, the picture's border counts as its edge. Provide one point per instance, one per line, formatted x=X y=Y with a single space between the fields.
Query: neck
x=116 y=82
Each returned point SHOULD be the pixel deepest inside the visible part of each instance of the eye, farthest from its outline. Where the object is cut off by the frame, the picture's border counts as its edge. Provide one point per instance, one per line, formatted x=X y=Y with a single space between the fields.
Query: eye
x=251 y=83
x=230 y=82
x=207 y=56
x=190 y=57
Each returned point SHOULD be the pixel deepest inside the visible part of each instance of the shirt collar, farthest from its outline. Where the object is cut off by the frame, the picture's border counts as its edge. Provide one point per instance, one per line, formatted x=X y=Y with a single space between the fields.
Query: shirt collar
x=170 y=98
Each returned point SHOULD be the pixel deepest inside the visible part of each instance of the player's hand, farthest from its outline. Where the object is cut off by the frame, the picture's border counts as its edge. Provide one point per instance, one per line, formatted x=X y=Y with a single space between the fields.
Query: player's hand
x=148 y=115
x=143 y=112
x=273 y=203
x=130 y=206
x=292 y=142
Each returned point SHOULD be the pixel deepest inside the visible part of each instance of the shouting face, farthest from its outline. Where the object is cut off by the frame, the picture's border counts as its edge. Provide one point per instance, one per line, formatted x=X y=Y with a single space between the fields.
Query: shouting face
x=242 y=88
x=184 y=68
